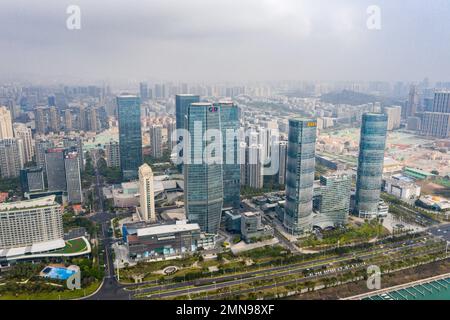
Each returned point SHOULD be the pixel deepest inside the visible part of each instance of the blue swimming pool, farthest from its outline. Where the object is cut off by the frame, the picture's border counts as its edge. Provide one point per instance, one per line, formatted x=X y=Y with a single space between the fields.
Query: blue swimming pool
x=57 y=273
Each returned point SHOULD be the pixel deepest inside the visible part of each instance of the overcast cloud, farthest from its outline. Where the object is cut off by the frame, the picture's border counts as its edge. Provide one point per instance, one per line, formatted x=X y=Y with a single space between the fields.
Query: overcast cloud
x=219 y=40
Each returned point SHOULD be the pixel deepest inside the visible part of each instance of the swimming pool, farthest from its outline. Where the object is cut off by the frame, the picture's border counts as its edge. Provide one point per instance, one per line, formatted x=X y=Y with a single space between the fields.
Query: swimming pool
x=57 y=273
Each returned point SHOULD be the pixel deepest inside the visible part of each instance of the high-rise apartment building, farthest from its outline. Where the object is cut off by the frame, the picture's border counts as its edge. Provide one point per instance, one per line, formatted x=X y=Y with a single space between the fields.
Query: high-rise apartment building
x=112 y=152
x=146 y=193
x=11 y=157
x=130 y=136
x=394 y=114
x=21 y=131
x=203 y=176
x=6 y=129
x=412 y=105
x=300 y=175
x=156 y=141
x=370 y=164
x=436 y=123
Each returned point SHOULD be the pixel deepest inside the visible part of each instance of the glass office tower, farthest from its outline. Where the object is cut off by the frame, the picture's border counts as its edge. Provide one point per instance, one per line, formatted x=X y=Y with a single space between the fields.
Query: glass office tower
x=300 y=175
x=203 y=180
x=334 y=200
x=182 y=102
x=130 y=137
x=370 y=164
x=229 y=118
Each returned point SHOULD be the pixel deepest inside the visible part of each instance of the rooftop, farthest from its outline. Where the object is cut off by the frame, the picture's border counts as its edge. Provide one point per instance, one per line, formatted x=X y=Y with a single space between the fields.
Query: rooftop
x=170 y=228
x=27 y=204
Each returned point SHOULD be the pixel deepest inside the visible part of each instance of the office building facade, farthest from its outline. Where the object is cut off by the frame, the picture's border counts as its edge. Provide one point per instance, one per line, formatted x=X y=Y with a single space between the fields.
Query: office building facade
x=203 y=177
x=55 y=169
x=370 y=164
x=73 y=176
x=229 y=120
x=32 y=179
x=182 y=102
x=130 y=136
x=300 y=175
x=334 y=201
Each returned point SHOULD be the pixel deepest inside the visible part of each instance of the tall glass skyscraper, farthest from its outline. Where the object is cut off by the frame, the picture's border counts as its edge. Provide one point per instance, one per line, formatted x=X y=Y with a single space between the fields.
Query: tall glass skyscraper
x=370 y=164
x=203 y=180
x=130 y=137
x=229 y=118
x=182 y=102
x=300 y=175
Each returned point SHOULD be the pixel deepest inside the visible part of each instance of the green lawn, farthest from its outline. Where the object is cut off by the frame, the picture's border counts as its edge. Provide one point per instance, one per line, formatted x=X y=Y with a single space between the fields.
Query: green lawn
x=54 y=295
x=73 y=246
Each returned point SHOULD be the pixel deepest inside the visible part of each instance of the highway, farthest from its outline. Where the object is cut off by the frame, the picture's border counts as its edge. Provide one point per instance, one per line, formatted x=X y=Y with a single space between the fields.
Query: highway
x=220 y=282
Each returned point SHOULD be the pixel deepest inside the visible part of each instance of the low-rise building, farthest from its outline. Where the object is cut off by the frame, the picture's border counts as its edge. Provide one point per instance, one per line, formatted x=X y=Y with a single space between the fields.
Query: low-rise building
x=147 y=242
x=401 y=187
x=252 y=227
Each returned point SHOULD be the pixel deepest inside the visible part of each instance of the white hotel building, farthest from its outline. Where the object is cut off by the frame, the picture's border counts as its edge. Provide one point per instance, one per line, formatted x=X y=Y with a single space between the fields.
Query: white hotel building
x=30 y=227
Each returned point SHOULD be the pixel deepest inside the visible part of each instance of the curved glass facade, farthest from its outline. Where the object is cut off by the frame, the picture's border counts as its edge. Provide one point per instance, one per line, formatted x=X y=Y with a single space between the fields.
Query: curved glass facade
x=300 y=175
x=370 y=163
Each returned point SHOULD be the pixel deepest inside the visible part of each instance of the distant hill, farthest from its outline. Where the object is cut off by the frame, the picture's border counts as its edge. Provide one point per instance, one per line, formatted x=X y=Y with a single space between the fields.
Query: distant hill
x=354 y=98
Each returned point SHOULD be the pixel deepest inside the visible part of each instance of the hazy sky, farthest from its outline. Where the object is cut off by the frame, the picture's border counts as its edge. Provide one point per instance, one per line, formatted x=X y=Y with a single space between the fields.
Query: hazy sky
x=218 y=40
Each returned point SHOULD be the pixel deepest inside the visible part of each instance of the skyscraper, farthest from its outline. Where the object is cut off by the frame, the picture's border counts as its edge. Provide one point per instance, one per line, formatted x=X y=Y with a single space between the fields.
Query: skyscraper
x=143 y=91
x=203 y=177
x=156 y=138
x=182 y=102
x=146 y=193
x=229 y=119
x=370 y=164
x=40 y=147
x=6 y=130
x=412 y=105
x=300 y=175
x=130 y=136
x=73 y=178
x=55 y=169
